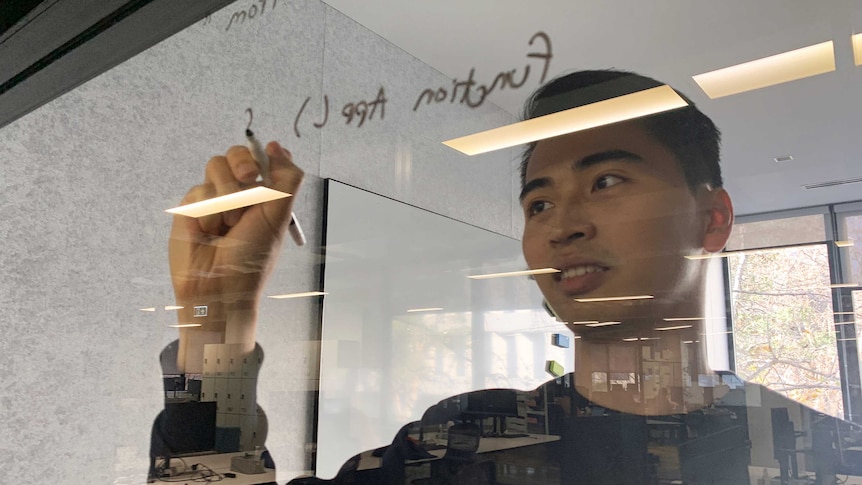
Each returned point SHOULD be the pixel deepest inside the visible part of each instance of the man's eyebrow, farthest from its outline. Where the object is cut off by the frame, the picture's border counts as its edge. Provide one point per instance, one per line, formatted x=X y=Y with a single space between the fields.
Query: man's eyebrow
x=584 y=163
x=534 y=185
x=606 y=156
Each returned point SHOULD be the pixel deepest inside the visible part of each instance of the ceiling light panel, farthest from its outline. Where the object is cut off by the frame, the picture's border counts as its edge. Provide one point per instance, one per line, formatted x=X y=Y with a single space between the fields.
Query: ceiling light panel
x=621 y=108
x=614 y=298
x=514 y=273
x=857 y=49
x=768 y=71
x=675 y=327
x=298 y=295
x=602 y=324
x=236 y=200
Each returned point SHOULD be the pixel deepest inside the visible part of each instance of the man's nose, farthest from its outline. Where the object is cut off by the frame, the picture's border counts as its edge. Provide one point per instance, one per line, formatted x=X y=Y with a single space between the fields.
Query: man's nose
x=572 y=226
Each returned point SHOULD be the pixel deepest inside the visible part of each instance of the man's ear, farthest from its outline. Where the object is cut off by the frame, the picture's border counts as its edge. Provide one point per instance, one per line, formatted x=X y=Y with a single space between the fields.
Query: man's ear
x=719 y=220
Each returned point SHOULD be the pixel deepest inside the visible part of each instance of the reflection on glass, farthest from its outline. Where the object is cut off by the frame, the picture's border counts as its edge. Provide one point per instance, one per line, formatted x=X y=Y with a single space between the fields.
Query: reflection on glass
x=784 y=333
x=769 y=71
x=383 y=361
x=624 y=209
x=220 y=260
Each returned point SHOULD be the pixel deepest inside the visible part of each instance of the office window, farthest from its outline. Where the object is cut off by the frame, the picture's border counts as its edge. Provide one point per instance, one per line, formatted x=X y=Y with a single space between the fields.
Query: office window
x=857 y=317
x=783 y=334
x=777 y=232
x=850 y=230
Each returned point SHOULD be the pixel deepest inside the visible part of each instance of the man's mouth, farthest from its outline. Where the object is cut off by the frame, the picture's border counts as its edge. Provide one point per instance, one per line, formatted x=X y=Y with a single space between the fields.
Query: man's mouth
x=580 y=279
x=580 y=270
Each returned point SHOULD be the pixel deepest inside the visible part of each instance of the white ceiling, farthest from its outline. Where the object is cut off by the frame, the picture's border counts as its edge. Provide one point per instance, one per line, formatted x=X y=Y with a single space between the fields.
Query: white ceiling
x=815 y=120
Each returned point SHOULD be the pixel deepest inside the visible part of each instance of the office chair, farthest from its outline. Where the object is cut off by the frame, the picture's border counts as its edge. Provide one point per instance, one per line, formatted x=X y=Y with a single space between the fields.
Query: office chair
x=459 y=464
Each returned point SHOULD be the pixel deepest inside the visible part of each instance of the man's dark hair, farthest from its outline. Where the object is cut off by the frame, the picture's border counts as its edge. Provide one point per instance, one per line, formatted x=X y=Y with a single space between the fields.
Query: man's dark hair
x=688 y=133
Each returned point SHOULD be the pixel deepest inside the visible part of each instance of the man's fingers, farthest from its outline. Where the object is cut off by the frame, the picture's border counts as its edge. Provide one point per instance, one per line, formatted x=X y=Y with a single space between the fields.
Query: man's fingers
x=234 y=172
x=242 y=165
x=210 y=224
x=286 y=176
x=220 y=174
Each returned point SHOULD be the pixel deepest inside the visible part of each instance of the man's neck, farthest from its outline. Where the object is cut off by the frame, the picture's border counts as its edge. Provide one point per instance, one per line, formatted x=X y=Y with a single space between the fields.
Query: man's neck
x=650 y=372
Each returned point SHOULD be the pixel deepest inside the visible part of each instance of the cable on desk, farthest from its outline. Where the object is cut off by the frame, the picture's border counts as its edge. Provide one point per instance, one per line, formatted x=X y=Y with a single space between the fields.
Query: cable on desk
x=162 y=467
x=199 y=473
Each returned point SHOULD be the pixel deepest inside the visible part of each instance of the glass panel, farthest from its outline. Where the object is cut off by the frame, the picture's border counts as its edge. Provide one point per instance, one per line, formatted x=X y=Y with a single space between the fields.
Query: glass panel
x=850 y=227
x=777 y=232
x=857 y=317
x=405 y=327
x=783 y=327
x=132 y=343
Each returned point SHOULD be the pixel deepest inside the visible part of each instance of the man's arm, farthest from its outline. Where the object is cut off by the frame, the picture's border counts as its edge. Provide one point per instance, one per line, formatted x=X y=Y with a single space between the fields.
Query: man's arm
x=222 y=260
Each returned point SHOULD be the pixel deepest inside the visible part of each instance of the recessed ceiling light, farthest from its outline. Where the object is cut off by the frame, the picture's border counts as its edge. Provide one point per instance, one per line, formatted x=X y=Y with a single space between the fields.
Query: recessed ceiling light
x=587 y=322
x=783 y=158
x=432 y=309
x=173 y=307
x=298 y=295
x=621 y=108
x=150 y=309
x=768 y=71
x=185 y=325
x=614 y=298
x=514 y=273
x=857 y=49
x=236 y=200
x=844 y=244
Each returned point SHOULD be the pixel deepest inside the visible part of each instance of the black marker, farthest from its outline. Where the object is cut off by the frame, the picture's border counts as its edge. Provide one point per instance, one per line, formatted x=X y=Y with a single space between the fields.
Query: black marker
x=259 y=155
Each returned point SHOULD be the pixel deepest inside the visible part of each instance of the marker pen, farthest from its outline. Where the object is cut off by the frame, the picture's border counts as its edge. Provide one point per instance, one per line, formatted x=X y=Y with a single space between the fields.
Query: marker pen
x=295 y=230
x=259 y=155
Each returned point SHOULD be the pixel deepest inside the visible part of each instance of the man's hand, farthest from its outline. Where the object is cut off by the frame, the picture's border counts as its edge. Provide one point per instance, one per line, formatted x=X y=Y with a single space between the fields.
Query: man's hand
x=222 y=260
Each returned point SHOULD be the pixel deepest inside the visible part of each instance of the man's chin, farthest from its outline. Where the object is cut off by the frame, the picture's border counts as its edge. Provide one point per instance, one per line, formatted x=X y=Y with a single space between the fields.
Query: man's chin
x=594 y=313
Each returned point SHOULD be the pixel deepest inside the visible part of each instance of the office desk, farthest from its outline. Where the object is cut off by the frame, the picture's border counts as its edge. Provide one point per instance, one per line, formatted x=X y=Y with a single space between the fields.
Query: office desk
x=486 y=445
x=220 y=463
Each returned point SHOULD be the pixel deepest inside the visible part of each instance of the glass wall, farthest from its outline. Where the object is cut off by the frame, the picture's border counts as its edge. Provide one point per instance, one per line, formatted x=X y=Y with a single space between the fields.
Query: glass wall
x=585 y=243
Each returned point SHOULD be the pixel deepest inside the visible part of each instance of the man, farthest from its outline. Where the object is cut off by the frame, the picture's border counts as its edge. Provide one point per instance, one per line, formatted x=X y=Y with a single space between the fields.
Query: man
x=627 y=212
x=618 y=210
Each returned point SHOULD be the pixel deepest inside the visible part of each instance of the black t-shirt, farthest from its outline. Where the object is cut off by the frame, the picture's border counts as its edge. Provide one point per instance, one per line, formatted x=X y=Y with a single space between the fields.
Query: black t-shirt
x=746 y=432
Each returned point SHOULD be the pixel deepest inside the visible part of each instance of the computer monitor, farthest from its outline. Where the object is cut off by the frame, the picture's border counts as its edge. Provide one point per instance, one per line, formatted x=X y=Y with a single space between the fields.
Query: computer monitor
x=185 y=428
x=492 y=403
x=194 y=387
x=174 y=383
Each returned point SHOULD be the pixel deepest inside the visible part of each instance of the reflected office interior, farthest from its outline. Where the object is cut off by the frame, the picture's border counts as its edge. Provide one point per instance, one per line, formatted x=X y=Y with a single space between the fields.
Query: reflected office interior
x=391 y=328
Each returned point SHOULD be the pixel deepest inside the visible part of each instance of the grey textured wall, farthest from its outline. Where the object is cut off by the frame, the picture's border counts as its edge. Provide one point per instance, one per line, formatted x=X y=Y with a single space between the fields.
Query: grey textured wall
x=85 y=180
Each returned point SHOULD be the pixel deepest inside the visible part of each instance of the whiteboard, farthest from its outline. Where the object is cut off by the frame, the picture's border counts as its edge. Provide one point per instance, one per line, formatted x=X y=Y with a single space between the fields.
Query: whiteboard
x=381 y=364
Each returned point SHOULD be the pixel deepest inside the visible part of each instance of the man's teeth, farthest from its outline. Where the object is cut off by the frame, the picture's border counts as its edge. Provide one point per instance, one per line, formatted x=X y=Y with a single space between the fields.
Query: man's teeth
x=581 y=270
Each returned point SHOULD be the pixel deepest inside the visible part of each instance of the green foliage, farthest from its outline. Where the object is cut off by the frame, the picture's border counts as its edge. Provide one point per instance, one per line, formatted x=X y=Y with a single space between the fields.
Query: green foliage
x=784 y=332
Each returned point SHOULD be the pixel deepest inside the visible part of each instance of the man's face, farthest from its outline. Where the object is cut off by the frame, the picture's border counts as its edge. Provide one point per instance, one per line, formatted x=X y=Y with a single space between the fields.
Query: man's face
x=610 y=207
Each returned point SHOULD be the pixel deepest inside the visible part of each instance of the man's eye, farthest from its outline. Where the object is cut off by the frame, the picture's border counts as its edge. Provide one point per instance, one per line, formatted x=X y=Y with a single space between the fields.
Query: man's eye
x=606 y=181
x=538 y=206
